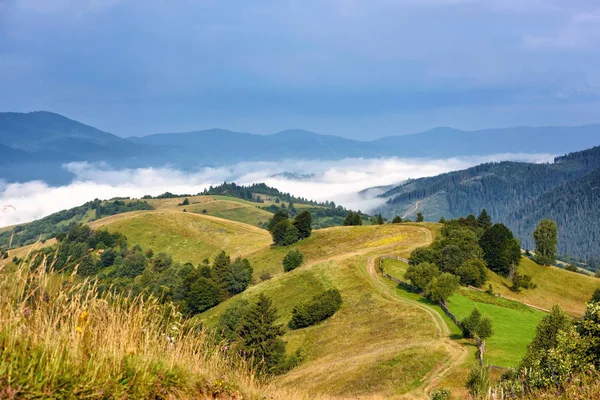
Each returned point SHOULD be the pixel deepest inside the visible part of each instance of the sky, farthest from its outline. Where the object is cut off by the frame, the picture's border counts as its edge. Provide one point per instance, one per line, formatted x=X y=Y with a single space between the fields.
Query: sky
x=361 y=69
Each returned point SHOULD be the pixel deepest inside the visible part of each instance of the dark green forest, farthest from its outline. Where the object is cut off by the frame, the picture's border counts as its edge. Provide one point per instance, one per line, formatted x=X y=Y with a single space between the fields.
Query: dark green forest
x=518 y=195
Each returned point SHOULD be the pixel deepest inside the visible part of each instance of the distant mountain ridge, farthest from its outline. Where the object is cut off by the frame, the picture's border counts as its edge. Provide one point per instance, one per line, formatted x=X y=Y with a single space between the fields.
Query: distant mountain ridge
x=517 y=194
x=31 y=140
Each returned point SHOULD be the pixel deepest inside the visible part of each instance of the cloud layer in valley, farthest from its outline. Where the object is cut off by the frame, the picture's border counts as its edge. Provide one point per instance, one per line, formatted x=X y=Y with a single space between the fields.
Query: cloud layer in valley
x=339 y=181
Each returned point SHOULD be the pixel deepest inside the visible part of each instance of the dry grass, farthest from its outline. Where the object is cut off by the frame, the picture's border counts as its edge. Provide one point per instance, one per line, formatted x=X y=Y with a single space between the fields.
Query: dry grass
x=65 y=340
x=186 y=237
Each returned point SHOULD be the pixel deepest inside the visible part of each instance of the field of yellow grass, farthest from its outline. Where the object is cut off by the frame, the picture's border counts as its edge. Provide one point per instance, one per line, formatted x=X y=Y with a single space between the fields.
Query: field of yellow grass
x=570 y=290
x=186 y=237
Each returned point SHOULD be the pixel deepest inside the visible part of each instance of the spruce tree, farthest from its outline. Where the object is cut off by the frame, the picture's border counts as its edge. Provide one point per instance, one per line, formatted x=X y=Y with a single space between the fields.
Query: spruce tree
x=261 y=337
x=484 y=219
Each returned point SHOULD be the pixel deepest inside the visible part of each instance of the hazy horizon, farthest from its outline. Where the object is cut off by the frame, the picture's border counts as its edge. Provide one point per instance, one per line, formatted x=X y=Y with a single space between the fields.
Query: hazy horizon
x=355 y=69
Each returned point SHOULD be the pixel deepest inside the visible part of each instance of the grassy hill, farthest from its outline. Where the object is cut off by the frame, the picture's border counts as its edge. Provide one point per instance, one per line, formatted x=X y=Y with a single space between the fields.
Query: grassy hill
x=378 y=344
x=186 y=237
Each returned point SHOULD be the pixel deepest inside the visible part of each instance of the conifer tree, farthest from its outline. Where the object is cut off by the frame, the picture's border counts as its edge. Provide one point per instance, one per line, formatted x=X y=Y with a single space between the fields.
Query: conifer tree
x=261 y=336
x=303 y=222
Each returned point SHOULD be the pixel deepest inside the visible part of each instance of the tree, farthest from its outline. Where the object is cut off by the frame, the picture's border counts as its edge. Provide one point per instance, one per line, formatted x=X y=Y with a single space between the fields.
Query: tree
x=280 y=215
x=596 y=296
x=185 y=202
x=589 y=329
x=239 y=276
x=353 y=219
x=546 y=242
x=423 y=255
x=292 y=260
x=472 y=272
x=420 y=217
x=303 y=222
x=522 y=281
x=546 y=337
x=200 y=293
x=379 y=219
x=441 y=288
x=397 y=219
x=220 y=268
x=261 y=337
x=421 y=275
x=450 y=258
x=291 y=235
x=484 y=220
x=502 y=251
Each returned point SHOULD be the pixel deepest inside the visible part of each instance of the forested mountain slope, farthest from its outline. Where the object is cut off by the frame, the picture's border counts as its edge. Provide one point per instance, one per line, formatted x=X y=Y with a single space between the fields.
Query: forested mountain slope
x=518 y=194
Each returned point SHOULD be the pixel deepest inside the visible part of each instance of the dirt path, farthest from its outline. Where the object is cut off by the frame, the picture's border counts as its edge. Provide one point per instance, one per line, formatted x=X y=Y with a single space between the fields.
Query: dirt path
x=457 y=353
x=413 y=211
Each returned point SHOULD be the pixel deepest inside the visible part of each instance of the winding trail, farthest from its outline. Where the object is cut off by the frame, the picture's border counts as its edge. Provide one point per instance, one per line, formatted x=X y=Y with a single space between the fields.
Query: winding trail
x=413 y=211
x=457 y=353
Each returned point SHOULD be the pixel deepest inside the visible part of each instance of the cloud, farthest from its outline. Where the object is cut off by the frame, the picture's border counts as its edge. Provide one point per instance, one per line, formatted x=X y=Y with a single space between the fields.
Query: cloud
x=339 y=181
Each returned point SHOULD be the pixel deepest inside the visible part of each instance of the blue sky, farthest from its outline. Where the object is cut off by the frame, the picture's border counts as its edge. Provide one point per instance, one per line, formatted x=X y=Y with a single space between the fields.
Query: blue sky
x=361 y=69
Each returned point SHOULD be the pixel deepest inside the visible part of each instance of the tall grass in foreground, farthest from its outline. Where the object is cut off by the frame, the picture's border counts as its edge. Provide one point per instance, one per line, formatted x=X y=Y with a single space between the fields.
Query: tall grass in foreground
x=62 y=339
x=582 y=387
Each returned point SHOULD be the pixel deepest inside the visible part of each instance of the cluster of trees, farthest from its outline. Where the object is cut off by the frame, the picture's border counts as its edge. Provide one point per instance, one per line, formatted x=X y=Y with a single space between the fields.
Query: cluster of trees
x=252 y=332
x=253 y=193
x=353 y=219
x=59 y=222
x=520 y=195
x=286 y=231
x=132 y=270
x=563 y=351
x=478 y=327
x=462 y=254
x=319 y=308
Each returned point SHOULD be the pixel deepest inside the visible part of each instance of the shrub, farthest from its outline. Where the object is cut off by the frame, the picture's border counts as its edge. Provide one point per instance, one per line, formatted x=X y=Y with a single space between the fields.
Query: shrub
x=571 y=268
x=441 y=394
x=318 y=309
x=265 y=276
x=292 y=260
x=441 y=288
x=397 y=219
x=478 y=381
x=522 y=281
x=204 y=211
x=185 y=202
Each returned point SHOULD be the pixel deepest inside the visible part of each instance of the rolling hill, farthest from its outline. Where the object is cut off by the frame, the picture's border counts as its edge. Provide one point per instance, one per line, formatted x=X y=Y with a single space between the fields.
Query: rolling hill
x=187 y=237
x=518 y=194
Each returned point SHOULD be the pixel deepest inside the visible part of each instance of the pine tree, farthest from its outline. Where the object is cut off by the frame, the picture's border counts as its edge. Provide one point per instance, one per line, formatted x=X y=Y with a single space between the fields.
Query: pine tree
x=260 y=336
x=484 y=219
x=379 y=219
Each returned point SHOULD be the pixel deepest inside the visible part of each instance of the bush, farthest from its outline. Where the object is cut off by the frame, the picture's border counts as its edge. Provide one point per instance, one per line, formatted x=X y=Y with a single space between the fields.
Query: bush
x=292 y=260
x=265 y=276
x=441 y=394
x=318 y=309
x=478 y=381
x=522 y=281
x=185 y=202
x=571 y=268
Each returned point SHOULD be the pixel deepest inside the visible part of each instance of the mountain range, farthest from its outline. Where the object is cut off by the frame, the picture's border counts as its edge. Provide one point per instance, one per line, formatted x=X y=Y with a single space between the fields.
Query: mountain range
x=35 y=145
x=517 y=194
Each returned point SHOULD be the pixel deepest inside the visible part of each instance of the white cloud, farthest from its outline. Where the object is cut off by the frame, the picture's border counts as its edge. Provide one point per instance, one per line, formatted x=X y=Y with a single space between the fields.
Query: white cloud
x=339 y=181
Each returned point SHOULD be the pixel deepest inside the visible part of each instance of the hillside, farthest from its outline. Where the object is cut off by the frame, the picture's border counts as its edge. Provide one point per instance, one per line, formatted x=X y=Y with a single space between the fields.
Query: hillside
x=518 y=194
x=390 y=347
x=186 y=237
